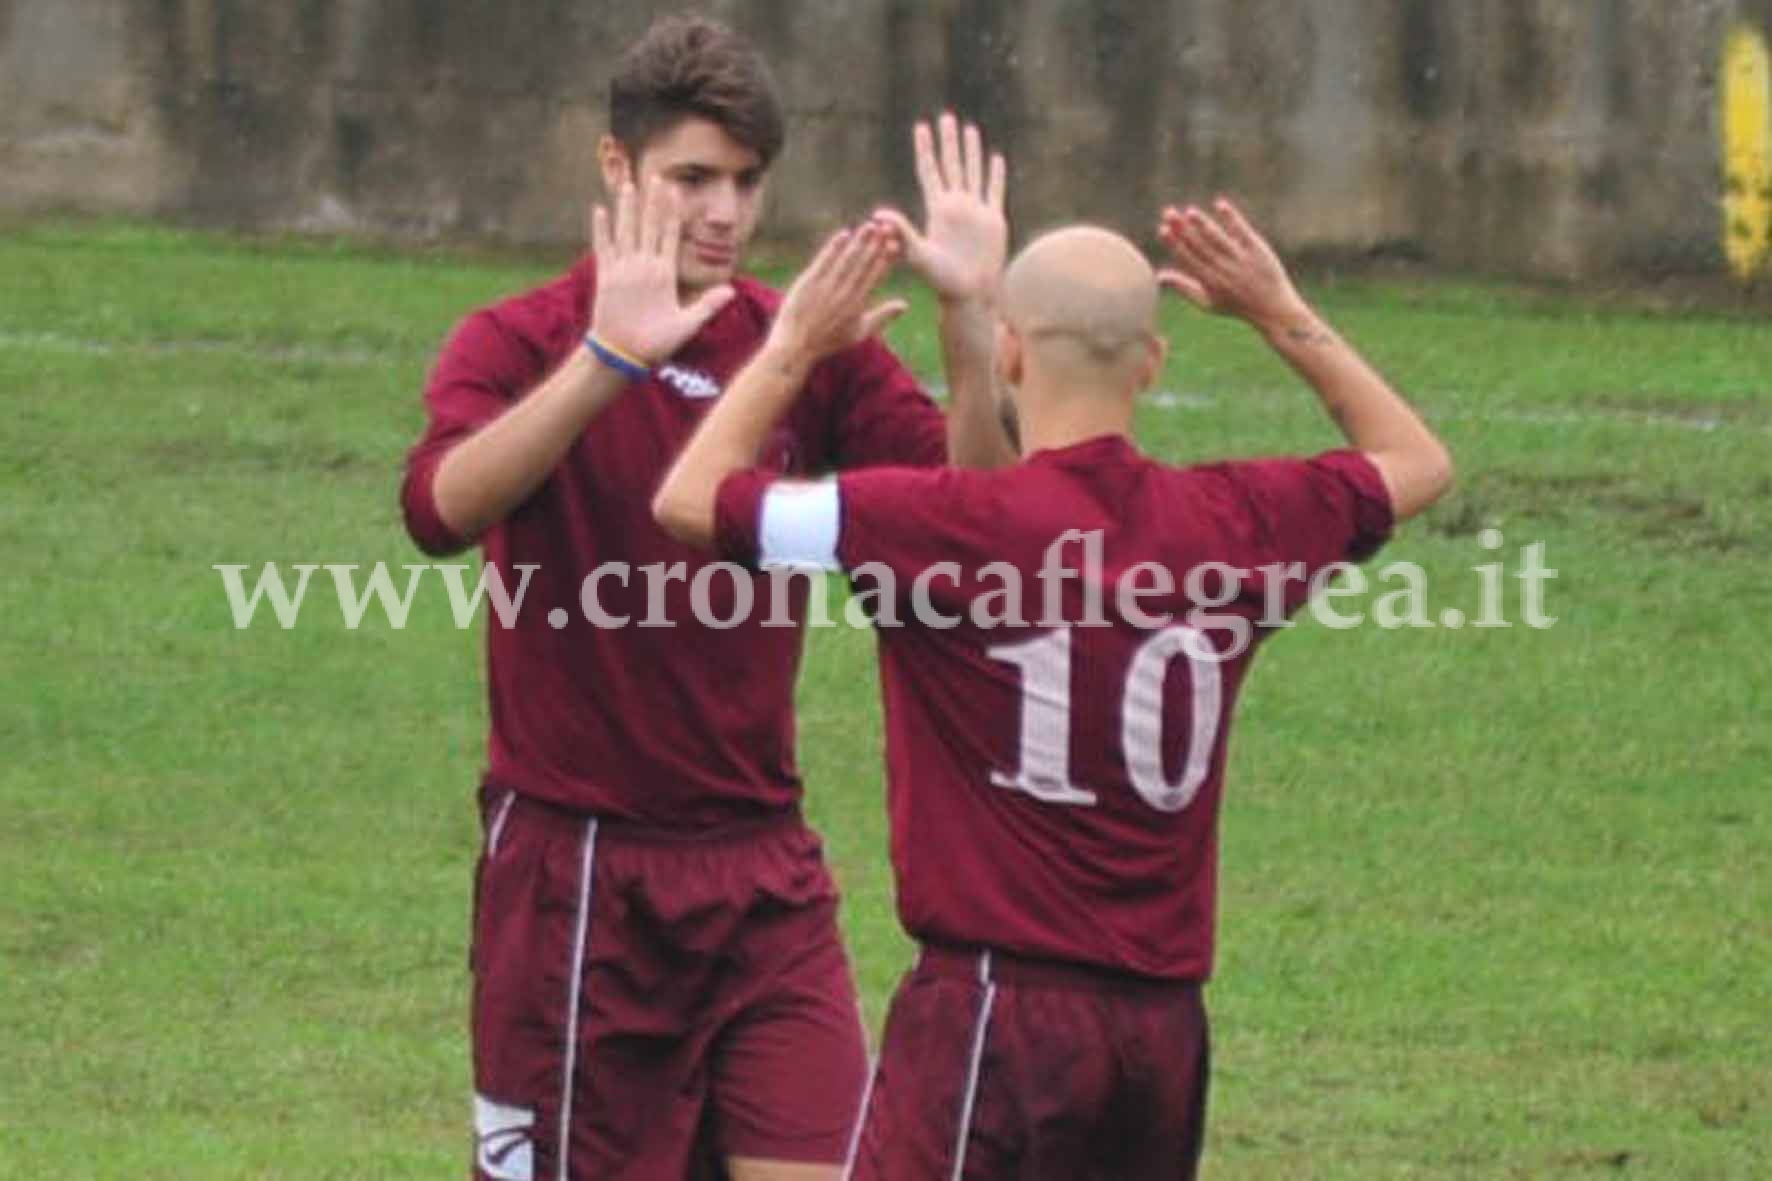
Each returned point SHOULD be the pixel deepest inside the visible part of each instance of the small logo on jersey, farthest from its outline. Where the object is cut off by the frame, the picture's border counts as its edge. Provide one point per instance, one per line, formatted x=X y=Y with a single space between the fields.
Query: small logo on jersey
x=502 y=1146
x=691 y=383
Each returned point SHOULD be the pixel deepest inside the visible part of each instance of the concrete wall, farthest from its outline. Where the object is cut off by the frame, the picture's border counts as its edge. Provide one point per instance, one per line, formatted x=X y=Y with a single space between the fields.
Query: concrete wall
x=1542 y=137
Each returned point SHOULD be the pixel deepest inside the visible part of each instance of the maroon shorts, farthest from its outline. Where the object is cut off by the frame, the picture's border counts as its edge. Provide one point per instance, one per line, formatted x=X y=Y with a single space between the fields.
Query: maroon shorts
x=997 y=1067
x=646 y=1006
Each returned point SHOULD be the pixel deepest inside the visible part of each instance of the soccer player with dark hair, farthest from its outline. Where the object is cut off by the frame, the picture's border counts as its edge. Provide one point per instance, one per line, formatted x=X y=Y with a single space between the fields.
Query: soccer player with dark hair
x=1054 y=780
x=659 y=987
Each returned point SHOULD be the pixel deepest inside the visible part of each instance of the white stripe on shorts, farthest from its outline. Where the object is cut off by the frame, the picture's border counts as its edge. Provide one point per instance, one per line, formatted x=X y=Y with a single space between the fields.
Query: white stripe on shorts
x=498 y=823
x=973 y=1069
x=587 y=862
x=867 y=1095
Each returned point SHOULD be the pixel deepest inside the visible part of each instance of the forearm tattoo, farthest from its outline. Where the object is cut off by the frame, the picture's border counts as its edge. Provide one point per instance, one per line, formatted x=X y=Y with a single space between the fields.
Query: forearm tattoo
x=1304 y=334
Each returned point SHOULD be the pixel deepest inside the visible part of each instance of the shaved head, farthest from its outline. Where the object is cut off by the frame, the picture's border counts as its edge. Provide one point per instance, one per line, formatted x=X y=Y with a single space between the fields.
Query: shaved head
x=1082 y=295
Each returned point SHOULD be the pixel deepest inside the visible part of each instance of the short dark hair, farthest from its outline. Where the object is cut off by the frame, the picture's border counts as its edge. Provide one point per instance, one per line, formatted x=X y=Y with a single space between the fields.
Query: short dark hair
x=691 y=66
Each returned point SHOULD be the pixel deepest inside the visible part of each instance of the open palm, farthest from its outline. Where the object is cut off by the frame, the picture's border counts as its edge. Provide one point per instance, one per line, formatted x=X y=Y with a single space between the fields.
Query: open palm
x=1223 y=264
x=965 y=239
x=826 y=308
x=637 y=305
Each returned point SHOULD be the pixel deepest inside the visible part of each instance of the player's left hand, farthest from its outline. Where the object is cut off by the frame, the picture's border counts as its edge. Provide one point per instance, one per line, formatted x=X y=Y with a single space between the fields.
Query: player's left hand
x=965 y=239
x=827 y=307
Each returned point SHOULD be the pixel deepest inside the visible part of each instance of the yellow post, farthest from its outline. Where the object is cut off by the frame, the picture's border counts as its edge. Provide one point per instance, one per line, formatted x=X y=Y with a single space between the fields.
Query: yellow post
x=1747 y=151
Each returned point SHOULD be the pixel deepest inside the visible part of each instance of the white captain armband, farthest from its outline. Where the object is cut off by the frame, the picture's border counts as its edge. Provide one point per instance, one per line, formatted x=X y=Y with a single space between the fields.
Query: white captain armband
x=799 y=525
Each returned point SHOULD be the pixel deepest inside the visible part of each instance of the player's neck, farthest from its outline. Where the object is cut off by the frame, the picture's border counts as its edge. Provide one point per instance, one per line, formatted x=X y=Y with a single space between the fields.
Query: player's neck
x=1050 y=418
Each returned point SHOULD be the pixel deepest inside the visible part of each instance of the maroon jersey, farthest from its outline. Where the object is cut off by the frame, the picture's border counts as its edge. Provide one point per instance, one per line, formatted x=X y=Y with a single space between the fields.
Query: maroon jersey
x=662 y=720
x=1054 y=783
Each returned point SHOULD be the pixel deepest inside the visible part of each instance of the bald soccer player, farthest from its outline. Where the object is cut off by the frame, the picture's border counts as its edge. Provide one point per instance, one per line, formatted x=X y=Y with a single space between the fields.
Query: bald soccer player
x=1065 y=645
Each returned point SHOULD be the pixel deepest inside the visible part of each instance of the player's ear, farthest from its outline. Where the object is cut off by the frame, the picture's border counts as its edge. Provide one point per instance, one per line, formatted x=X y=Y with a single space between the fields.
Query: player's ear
x=1156 y=351
x=616 y=164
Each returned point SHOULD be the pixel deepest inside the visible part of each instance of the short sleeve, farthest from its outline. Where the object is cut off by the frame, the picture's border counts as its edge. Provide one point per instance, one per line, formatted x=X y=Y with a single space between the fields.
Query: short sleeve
x=906 y=519
x=464 y=393
x=909 y=519
x=1319 y=511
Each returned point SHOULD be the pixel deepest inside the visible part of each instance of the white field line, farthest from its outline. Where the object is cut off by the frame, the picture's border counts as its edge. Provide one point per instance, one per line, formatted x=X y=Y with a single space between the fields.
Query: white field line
x=1620 y=416
x=1191 y=402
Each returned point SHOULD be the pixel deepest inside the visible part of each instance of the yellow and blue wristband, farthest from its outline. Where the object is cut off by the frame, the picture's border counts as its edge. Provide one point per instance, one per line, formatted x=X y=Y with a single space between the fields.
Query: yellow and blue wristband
x=628 y=366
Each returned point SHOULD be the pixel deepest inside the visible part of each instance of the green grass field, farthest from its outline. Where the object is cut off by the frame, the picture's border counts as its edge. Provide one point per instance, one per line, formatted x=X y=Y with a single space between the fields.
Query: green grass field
x=1496 y=902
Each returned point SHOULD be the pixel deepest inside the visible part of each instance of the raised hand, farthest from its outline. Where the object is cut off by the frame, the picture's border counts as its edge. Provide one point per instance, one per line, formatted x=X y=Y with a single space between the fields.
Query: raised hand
x=965 y=237
x=638 y=309
x=1224 y=265
x=827 y=307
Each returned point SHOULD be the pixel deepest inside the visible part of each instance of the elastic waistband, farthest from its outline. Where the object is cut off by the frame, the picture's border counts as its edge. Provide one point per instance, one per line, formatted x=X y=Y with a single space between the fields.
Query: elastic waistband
x=993 y=965
x=621 y=828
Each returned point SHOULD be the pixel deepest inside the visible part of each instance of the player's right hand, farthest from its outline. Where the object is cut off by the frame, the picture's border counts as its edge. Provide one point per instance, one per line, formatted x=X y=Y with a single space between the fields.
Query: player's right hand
x=638 y=308
x=1224 y=265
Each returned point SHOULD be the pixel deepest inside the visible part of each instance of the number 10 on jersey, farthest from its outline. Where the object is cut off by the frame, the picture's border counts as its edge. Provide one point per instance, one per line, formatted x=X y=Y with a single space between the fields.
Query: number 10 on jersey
x=1045 y=664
